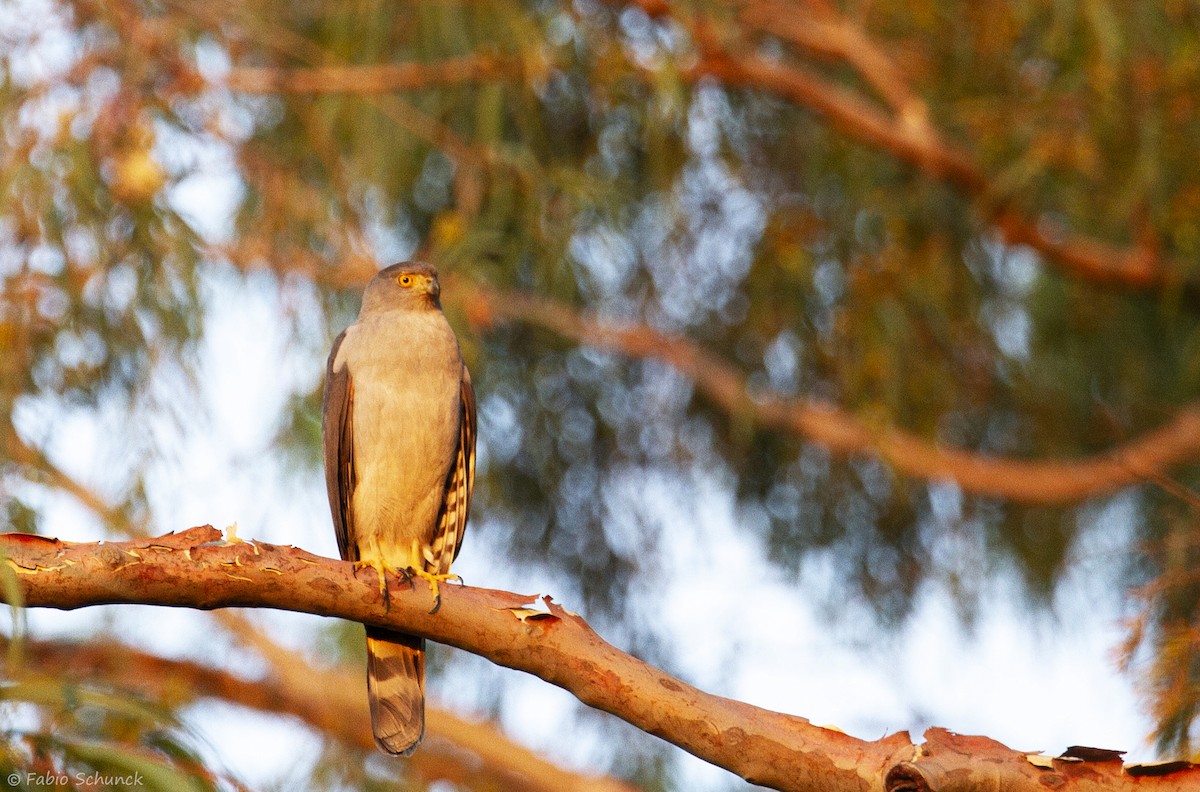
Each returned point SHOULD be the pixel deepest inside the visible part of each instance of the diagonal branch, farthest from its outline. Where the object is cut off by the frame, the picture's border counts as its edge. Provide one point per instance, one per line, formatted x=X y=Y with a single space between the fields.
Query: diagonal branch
x=35 y=460
x=906 y=134
x=1034 y=482
x=333 y=701
x=919 y=145
x=194 y=569
x=916 y=144
x=829 y=35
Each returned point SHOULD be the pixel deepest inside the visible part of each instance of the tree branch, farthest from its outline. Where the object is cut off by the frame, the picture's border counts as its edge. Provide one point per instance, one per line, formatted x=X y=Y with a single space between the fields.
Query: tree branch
x=829 y=35
x=919 y=145
x=1035 y=482
x=195 y=569
x=332 y=701
x=368 y=78
x=34 y=459
x=907 y=133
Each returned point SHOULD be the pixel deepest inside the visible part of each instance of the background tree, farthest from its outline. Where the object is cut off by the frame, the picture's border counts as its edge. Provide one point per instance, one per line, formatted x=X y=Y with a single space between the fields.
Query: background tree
x=916 y=283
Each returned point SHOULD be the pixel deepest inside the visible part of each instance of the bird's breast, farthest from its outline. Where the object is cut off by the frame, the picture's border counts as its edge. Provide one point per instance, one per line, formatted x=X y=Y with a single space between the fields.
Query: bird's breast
x=406 y=375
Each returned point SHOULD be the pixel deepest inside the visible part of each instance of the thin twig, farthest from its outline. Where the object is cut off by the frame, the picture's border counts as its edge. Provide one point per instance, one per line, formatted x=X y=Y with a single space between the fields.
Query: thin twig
x=369 y=78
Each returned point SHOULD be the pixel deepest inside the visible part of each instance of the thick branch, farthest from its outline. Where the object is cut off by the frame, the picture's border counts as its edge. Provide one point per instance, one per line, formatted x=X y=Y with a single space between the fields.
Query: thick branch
x=329 y=700
x=194 y=569
x=333 y=701
x=1035 y=482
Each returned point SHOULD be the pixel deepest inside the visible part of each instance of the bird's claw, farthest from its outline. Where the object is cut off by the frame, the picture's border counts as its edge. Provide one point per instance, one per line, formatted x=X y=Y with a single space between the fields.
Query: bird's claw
x=417 y=568
x=381 y=572
x=434 y=581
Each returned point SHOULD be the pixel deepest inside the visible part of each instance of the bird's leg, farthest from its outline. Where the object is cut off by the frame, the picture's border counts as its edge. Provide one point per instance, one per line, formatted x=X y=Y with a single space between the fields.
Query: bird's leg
x=418 y=568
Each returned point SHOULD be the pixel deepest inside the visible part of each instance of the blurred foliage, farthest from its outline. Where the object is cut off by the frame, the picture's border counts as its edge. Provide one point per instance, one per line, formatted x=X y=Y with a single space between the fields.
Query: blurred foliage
x=591 y=165
x=74 y=736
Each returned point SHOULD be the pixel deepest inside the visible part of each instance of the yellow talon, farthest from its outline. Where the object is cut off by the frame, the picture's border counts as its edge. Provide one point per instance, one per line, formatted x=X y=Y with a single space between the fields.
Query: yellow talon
x=381 y=571
x=418 y=568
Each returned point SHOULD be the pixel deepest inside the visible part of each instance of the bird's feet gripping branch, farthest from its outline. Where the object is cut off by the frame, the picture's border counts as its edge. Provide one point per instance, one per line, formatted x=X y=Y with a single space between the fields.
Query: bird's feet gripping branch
x=414 y=570
x=381 y=570
x=417 y=568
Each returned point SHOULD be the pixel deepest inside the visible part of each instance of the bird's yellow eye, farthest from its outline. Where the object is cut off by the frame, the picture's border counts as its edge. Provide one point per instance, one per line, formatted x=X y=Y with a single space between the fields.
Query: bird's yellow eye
x=405 y=280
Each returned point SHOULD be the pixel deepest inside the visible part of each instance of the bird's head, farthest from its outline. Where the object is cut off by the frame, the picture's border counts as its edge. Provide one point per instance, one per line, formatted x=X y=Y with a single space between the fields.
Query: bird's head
x=409 y=285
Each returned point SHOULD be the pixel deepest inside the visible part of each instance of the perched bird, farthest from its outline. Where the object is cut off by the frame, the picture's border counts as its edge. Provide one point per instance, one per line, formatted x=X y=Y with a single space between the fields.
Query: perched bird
x=399 y=436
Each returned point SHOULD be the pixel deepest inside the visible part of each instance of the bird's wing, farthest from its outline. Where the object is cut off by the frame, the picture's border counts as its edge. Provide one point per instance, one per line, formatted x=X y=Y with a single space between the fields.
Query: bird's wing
x=452 y=522
x=338 y=434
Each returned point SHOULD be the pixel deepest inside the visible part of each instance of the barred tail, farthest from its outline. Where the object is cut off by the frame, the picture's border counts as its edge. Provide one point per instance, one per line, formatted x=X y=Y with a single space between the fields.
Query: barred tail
x=396 y=689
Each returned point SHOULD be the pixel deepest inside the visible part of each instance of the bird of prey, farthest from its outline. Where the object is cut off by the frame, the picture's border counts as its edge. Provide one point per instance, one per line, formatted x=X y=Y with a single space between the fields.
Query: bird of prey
x=399 y=437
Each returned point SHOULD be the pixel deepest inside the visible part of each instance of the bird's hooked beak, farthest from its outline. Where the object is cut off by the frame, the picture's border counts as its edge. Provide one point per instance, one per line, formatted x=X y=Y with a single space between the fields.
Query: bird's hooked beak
x=432 y=287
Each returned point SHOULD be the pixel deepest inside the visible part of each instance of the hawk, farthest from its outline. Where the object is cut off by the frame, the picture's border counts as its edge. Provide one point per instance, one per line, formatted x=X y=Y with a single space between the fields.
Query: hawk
x=399 y=438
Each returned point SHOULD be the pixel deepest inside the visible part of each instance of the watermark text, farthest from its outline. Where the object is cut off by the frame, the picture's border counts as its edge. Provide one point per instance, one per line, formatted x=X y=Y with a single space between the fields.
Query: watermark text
x=81 y=778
